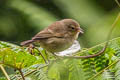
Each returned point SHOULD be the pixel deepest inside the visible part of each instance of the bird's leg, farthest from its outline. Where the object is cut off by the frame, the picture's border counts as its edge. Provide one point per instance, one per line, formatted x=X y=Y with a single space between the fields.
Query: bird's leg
x=31 y=48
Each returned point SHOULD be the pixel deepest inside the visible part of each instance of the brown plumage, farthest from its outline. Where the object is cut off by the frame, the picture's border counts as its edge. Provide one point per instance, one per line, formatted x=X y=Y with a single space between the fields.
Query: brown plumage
x=58 y=36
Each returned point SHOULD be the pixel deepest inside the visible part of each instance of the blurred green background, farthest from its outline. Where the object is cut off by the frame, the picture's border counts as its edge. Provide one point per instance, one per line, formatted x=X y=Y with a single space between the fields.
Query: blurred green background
x=22 y=19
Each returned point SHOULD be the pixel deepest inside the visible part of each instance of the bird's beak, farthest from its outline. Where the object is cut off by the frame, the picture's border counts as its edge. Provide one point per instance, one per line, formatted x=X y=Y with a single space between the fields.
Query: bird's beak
x=80 y=30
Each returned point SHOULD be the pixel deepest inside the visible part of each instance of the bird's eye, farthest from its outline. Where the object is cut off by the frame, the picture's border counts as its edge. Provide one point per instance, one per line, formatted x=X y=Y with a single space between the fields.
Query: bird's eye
x=72 y=28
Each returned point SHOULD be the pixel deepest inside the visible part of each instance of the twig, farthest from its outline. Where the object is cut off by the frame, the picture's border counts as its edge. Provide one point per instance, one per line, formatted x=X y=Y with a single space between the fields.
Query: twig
x=34 y=70
x=46 y=55
x=21 y=74
x=4 y=71
x=20 y=70
x=41 y=55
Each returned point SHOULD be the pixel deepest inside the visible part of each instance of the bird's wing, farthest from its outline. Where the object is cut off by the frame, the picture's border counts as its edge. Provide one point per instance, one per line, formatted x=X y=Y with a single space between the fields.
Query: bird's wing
x=53 y=30
x=46 y=34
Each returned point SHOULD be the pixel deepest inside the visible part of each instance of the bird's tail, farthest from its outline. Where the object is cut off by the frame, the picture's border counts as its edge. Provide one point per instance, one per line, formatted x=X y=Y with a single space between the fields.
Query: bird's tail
x=26 y=42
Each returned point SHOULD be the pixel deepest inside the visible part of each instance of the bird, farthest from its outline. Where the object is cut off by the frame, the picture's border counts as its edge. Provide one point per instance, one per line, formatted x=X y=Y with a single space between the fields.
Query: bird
x=58 y=36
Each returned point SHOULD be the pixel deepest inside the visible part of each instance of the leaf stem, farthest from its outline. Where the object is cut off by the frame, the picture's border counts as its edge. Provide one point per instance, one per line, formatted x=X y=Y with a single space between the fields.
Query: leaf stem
x=4 y=72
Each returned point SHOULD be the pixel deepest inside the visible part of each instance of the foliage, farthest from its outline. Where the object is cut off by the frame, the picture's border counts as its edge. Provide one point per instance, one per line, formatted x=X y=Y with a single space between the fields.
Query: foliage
x=105 y=66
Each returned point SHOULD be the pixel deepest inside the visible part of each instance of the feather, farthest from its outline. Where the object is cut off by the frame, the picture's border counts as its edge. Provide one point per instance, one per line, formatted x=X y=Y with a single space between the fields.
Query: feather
x=27 y=42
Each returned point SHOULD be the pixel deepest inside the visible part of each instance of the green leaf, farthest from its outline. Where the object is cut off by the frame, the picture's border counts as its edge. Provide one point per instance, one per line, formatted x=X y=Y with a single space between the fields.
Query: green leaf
x=13 y=56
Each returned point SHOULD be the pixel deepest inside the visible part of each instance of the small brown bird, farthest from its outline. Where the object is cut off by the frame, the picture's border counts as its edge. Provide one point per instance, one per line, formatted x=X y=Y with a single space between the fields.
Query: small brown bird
x=58 y=36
